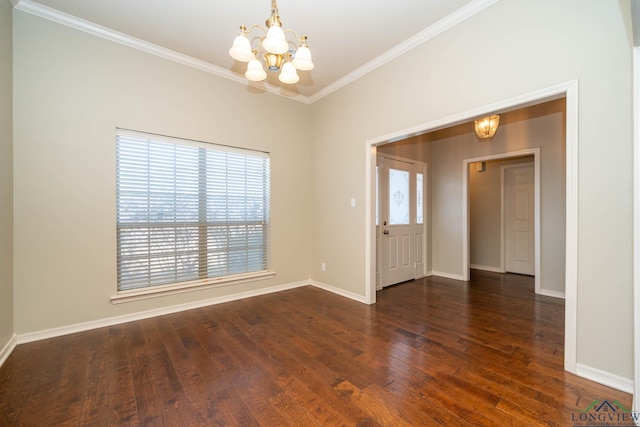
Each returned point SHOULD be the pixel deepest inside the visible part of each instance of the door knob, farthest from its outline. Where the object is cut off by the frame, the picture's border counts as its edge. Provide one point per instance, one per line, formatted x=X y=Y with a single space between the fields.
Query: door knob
x=385 y=232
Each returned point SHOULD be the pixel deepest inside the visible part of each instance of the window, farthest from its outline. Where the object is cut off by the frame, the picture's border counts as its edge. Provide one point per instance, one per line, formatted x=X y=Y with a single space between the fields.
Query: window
x=399 y=197
x=188 y=212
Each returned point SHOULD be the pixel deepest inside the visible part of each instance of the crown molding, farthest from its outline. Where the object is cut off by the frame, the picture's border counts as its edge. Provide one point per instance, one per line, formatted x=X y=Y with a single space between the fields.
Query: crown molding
x=71 y=21
x=432 y=31
x=423 y=36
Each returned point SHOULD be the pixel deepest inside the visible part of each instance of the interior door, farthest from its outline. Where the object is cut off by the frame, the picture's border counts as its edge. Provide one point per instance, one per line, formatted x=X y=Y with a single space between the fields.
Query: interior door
x=519 y=221
x=397 y=221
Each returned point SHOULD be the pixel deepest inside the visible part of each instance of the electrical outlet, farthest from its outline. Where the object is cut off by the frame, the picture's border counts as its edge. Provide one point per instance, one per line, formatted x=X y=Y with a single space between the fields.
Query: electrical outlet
x=323 y=266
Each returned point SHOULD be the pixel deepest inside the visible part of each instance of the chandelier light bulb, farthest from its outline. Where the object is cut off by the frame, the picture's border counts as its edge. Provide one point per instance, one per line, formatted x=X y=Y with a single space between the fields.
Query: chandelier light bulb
x=275 y=41
x=241 y=49
x=302 y=59
x=255 y=72
x=289 y=74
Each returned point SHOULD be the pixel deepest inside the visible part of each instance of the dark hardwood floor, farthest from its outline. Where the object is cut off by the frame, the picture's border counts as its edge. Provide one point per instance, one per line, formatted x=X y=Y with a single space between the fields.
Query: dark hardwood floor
x=430 y=352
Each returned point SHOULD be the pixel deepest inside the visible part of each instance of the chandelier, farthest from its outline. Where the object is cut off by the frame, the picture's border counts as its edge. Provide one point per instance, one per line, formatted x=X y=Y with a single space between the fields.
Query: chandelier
x=487 y=126
x=273 y=49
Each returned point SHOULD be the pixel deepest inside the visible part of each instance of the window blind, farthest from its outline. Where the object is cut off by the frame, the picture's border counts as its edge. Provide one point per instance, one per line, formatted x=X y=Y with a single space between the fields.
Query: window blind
x=188 y=211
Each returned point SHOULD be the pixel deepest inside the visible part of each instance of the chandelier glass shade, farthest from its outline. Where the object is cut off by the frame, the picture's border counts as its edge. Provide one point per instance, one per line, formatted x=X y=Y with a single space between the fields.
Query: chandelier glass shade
x=486 y=127
x=273 y=49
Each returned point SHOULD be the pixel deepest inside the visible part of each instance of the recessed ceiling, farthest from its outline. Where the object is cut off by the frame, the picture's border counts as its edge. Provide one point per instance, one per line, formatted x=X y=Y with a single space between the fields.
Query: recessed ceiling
x=344 y=36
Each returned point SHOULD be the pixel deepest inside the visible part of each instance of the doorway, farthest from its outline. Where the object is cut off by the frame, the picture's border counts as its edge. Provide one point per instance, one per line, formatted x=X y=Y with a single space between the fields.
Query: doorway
x=568 y=91
x=503 y=213
x=535 y=152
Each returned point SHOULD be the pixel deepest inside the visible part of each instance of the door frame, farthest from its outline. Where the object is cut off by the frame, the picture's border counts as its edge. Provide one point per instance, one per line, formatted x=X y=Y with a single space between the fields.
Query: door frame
x=466 y=221
x=636 y=223
x=568 y=90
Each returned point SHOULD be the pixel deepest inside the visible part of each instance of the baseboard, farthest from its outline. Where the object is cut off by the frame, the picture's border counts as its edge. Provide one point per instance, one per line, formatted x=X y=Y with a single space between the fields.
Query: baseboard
x=447 y=275
x=486 y=268
x=605 y=378
x=86 y=326
x=554 y=294
x=338 y=291
x=429 y=273
x=8 y=348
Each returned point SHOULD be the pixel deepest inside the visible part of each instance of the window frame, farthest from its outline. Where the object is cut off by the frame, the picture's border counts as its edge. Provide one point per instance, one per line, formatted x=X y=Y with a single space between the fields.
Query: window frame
x=154 y=290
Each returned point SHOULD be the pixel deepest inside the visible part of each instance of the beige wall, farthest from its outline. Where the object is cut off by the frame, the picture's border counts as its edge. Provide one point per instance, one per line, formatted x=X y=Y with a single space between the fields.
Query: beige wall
x=6 y=179
x=522 y=129
x=532 y=46
x=71 y=92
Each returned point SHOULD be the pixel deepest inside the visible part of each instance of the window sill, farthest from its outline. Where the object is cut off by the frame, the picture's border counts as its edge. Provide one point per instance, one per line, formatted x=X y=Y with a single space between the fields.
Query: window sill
x=159 y=291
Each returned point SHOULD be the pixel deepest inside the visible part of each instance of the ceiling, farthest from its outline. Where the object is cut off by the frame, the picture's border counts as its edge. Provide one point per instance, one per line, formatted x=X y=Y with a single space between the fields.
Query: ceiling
x=347 y=38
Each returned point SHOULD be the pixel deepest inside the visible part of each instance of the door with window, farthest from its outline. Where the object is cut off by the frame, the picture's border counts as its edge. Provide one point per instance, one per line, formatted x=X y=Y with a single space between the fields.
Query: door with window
x=400 y=221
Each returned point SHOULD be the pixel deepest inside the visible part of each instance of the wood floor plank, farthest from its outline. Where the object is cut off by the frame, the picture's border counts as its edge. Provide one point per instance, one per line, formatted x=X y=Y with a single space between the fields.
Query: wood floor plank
x=431 y=352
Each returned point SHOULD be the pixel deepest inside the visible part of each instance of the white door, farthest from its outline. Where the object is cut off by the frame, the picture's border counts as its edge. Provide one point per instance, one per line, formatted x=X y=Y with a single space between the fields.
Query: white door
x=519 y=221
x=397 y=222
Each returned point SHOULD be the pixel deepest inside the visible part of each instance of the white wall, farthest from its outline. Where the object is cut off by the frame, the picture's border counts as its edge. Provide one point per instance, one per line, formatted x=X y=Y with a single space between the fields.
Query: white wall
x=6 y=173
x=513 y=48
x=71 y=92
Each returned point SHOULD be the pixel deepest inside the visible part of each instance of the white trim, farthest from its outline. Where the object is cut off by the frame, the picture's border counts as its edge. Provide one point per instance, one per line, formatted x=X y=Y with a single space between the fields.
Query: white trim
x=36 y=9
x=370 y=225
x=486 y=268
x=449 y=21
x=636 y=225
x=110 y=321
x=570 y=91
x=196 y=285
x=8 y=349
x=447 y=275
x=571 y=228
x=604 y=378
x=338 y=291
x=554 y=294
x=503 y=263
x=466 y=247
x=423 y=36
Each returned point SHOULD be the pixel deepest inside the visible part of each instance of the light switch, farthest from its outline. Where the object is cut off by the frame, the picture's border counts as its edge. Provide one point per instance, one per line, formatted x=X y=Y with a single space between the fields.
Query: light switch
x=353 y=202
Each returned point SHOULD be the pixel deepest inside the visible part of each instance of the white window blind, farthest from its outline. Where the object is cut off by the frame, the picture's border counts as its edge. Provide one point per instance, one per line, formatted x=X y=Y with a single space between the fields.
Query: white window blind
x=188 y=211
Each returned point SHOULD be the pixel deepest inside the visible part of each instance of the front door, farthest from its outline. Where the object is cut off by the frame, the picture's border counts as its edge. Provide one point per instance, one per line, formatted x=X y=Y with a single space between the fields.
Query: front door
x=397 y=221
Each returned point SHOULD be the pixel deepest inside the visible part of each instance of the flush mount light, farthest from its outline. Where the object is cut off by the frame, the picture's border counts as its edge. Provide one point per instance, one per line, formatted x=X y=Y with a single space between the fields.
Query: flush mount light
x=274 y=50
x=487 y=126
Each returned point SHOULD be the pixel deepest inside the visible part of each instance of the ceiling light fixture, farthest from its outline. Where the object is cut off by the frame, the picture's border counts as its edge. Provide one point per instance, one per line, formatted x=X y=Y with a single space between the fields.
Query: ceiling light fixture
x=486 y=127
x=273 y=49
